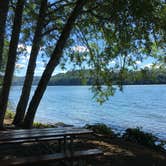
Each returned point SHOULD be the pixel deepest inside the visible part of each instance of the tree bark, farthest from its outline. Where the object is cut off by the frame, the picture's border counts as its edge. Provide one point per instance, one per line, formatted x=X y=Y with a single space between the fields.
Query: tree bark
x=3 y=16
x=11 y=60
x=53 y=62
x=23 y=102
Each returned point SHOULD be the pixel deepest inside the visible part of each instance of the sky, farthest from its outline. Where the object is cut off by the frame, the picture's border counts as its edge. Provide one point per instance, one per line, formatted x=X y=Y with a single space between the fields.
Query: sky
x=21 y=64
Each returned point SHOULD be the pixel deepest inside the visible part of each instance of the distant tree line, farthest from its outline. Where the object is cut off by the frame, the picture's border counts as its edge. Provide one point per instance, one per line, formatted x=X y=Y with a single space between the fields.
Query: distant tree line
x=83 y=77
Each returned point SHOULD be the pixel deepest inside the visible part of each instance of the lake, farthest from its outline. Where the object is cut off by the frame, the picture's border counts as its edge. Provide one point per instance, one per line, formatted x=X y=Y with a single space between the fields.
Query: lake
x=138 y=106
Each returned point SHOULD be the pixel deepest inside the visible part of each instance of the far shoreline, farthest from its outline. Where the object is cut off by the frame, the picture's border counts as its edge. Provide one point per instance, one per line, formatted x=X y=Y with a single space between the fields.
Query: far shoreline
x=92 y=85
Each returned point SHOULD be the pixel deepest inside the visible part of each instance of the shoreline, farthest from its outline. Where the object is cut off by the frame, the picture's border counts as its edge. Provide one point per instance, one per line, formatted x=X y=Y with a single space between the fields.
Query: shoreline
x=158 y=142
x=103 y=85
x=146 y=110
x=117 y=150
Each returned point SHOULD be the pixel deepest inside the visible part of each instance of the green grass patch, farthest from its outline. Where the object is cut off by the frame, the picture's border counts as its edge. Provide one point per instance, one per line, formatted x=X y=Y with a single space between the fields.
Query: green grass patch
x=42 y=125
x=9 y=114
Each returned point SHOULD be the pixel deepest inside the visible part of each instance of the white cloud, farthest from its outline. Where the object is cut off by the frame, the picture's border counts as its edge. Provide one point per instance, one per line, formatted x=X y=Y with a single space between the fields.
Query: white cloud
x=39 y=63
x=80 y=49
x=58 y=70
x=138 y=62
x=40 y=69
x=27 y=57
x=148 y=65
x=23 y=59
x=19 y=66
x=27 y=48
x=37 y=73
x=112 y=62
x=2 y=73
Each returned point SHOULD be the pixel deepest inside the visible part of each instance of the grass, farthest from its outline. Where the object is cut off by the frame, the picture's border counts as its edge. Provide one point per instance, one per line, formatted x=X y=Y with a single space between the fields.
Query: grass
x=9 y=114
x=42 y=125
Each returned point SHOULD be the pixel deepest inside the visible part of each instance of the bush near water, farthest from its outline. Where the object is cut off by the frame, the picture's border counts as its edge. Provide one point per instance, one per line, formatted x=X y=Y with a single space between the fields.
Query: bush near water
x=100 y=128
x=135 y=135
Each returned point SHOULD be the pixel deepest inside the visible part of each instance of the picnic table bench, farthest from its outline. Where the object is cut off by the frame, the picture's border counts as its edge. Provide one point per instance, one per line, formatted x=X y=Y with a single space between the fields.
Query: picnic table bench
x=62 y=134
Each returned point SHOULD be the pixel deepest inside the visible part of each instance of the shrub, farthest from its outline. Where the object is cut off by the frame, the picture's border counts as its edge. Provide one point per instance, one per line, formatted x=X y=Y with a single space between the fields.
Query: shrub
x=101 y=129
x=9 y=114
x=42 y=125
x=137 y=136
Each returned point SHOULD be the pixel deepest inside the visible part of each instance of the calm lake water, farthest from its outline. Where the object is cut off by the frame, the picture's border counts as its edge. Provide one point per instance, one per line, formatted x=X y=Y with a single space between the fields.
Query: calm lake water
x=138 y=106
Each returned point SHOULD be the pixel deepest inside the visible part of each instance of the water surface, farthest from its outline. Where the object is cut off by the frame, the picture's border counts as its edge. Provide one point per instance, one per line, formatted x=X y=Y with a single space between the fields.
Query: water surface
x=138 y=106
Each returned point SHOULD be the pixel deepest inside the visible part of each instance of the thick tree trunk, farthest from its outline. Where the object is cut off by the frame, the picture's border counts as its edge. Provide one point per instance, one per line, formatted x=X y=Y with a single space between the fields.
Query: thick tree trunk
x=11 y=60
x=53 y=62
x=23 y=102
x=4 y=6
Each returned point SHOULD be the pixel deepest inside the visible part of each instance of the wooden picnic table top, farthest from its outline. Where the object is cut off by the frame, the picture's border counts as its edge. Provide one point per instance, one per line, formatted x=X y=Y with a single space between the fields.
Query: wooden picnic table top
x=11 y=135
x=28 y=134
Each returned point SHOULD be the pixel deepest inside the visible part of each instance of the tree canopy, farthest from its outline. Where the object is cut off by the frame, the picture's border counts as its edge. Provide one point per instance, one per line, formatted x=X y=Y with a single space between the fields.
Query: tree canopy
x=114 y=35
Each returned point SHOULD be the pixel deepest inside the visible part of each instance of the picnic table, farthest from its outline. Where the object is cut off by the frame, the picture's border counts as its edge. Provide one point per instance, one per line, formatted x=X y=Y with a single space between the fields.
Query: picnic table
x=29 y=135
x=62 y=134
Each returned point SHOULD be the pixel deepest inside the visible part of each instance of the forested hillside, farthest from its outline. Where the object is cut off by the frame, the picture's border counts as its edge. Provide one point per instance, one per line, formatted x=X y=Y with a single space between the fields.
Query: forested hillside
x=82 y=77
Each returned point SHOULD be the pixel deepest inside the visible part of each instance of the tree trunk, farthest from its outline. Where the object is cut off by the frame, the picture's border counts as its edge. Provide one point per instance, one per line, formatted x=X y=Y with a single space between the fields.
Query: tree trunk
x=11 y=60
x=23 y=102
x=53 y=62
x=3 y=16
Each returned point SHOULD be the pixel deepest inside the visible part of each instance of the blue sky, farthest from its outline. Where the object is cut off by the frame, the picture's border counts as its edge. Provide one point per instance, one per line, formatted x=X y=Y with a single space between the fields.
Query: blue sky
x=22 y=63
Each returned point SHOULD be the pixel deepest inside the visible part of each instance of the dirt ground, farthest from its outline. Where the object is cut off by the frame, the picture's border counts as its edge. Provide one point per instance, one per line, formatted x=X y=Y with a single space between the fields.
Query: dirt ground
x=116 y=152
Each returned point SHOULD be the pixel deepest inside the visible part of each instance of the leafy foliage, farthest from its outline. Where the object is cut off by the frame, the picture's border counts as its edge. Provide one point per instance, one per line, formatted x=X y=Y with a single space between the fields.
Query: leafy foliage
x=42 y=125
x=101 y=129
x=9 y=114
x=115 y=34
x=137 y=136
x=119 y=33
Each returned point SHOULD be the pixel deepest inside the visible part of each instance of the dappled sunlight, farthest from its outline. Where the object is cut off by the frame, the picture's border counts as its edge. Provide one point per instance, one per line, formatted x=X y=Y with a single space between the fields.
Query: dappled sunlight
x=110 y=149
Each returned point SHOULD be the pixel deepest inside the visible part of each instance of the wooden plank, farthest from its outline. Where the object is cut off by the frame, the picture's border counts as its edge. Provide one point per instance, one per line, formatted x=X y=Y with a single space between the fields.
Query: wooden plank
x=32 y=140
x=41 y=133
x=38 y=130
x=29 y=131
x=50 y=157
x=47 y=134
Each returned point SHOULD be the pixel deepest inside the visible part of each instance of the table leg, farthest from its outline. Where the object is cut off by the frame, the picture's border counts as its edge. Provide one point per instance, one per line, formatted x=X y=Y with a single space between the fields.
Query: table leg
x=59 y=145
x=65 y=143
x=71 y=144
